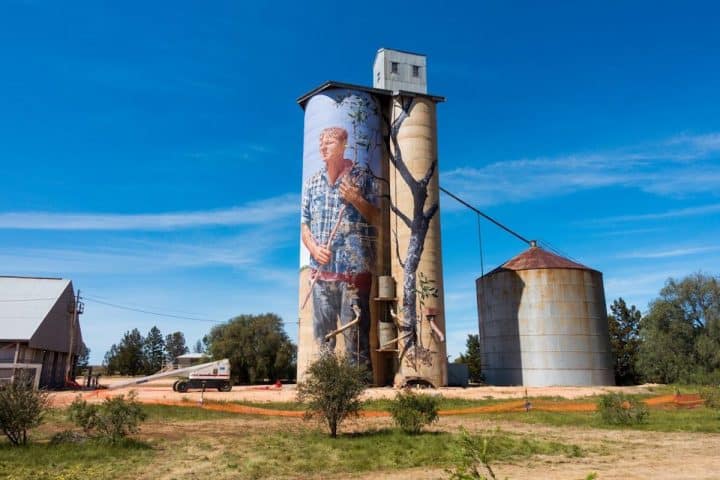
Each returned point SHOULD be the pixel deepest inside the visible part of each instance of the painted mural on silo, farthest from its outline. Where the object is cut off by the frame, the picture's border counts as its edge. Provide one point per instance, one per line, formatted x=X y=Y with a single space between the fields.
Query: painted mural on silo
x=339 y=217
x=416 y=254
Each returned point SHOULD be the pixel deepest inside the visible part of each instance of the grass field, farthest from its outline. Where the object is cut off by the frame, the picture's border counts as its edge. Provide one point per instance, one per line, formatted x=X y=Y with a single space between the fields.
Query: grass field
x=186 y=442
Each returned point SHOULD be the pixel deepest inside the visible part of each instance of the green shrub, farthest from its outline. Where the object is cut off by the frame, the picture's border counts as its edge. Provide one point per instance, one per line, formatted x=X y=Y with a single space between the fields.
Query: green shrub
x=620 y=409
x=21 y=408
x=711 y=397
x=411 y=412
x=83 y=414
x=332 y=389
x=112 y=420
x=68 y=436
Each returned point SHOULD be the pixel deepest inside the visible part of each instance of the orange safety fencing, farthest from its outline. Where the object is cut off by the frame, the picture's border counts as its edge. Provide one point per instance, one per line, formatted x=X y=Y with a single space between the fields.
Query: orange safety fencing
x=662 y=401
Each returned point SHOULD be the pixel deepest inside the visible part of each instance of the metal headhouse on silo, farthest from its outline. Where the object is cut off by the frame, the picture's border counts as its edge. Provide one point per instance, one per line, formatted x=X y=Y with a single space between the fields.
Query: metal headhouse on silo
x=543 y=322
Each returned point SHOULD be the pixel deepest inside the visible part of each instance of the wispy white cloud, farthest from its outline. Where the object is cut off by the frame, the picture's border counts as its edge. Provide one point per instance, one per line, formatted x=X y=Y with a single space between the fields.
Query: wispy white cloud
x=673 y=252
x=674 y=167
x=252 y=213
x=668 y=214
x=251 y=252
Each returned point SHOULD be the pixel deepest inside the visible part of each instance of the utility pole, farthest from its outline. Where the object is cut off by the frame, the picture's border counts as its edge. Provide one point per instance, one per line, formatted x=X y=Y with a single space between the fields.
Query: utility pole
x=77 y=309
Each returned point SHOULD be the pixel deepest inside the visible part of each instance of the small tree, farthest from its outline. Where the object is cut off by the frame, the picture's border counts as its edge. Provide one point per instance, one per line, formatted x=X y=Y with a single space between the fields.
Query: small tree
x=332 y=390
x=21 y=408
x=472 y=358
x=411 y=412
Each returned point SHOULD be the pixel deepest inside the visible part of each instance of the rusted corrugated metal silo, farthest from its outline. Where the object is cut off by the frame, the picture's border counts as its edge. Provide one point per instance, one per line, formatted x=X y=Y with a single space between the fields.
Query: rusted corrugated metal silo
x=543 y=322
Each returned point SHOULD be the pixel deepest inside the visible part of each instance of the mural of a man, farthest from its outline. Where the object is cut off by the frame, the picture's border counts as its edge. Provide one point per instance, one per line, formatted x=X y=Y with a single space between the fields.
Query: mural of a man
x=339 y=211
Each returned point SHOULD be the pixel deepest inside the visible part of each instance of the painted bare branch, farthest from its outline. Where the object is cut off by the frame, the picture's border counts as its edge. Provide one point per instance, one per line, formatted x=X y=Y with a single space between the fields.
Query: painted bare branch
x=418 y=224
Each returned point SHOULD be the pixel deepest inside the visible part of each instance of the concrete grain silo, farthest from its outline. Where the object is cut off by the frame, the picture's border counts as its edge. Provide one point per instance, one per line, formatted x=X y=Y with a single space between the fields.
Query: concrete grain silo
x=543 y=322
x=371 y=283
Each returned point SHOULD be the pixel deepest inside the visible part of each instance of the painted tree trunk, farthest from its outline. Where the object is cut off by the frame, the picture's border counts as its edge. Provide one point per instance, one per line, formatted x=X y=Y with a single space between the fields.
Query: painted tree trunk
x=414 y=166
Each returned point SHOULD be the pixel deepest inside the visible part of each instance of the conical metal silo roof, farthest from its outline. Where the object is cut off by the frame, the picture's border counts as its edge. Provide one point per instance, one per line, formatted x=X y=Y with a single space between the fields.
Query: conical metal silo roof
x=535 y=258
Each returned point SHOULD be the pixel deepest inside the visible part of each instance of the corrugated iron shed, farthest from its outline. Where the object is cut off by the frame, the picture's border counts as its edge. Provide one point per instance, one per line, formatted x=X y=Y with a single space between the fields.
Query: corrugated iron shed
x=35 y=310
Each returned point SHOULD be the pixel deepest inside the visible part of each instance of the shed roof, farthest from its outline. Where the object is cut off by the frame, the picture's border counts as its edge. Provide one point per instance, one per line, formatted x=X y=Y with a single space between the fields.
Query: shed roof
x=537 y=258
x=25 y=302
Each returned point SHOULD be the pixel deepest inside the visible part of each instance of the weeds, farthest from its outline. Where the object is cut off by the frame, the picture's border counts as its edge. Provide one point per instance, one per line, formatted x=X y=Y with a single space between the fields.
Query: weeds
x=621 y=409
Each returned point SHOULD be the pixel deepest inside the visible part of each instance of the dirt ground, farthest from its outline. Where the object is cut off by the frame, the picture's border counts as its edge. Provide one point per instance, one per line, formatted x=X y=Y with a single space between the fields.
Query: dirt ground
x=612 y=454
x=161 y=390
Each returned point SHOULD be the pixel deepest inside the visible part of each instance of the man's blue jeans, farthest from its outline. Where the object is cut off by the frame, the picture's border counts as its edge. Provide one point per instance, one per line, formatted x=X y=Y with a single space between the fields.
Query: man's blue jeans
x=333 y=299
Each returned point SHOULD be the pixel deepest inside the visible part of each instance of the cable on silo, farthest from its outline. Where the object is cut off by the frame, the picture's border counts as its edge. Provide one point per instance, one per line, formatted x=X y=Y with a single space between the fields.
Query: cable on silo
x=480 y=246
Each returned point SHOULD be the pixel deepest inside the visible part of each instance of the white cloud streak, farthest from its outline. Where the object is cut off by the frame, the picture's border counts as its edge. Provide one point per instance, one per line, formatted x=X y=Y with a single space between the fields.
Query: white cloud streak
x=675 y=167
x=675 y=252
x=701 y=210
x=252 y=213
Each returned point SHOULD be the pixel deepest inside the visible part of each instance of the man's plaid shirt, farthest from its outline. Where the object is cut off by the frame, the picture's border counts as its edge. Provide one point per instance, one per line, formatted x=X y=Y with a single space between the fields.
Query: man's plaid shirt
x=354 y=243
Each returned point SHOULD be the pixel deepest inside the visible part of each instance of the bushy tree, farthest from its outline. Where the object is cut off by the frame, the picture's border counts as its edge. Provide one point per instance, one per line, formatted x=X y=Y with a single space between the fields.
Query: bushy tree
x=472 y=358
x=257 y=347
x=153 y=351
x=681 y=332
x=127 y=358
x=175 y=346
x=624 y=328
x=331 y=390
x=21 y=408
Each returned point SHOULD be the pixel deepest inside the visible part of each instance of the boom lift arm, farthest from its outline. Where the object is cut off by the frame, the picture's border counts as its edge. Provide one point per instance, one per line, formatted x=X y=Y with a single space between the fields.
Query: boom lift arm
x=212 y=375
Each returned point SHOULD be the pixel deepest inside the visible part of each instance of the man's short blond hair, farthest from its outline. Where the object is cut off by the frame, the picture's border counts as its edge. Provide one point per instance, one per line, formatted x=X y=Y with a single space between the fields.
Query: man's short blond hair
x=334 y=132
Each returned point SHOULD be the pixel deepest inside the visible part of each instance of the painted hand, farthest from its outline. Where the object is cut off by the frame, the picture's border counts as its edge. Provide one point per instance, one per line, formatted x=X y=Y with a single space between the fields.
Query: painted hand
x=349 y=192
x=321 y=254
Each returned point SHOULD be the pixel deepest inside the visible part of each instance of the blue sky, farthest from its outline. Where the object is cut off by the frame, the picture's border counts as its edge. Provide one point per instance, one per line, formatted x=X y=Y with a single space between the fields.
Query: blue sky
x=152 y=152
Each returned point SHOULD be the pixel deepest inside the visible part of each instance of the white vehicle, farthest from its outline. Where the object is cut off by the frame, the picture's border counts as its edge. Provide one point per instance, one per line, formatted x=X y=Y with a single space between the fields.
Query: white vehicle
x=206 y=375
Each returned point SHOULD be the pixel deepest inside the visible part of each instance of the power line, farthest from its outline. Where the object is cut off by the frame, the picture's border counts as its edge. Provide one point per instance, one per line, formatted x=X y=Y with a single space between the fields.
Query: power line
x=159 y=314
x=463 y=202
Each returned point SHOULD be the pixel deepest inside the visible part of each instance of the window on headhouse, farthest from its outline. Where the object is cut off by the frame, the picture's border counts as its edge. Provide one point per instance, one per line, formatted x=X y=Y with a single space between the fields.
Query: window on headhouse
x=416 y=71
x=394 y=67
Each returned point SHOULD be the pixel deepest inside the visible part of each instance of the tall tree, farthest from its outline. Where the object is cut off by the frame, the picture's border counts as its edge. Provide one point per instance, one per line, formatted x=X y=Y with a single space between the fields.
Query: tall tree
x=126 y=357
x=175 y=345
x=472 y=358
x=256 y=345
x=624 y=328
x=154 y=351
x=681 y=332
